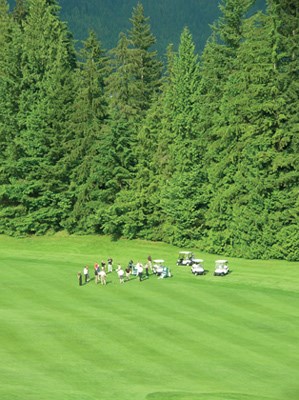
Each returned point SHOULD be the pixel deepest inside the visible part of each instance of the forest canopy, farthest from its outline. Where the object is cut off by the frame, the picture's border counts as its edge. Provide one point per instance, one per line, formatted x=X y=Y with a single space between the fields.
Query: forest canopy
x=200 y=150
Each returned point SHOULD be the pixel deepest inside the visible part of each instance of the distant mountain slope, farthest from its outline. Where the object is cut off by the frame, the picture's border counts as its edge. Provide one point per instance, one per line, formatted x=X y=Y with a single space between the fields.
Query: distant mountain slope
x=167 y=18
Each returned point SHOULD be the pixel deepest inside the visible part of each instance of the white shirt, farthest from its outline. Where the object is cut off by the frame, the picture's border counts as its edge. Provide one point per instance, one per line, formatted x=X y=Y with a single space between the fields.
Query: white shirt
x=140 y=269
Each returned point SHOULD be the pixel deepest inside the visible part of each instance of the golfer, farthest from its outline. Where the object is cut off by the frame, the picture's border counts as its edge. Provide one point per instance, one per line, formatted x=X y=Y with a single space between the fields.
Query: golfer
x=139 y=268
x=103 y=275
x=120 y=273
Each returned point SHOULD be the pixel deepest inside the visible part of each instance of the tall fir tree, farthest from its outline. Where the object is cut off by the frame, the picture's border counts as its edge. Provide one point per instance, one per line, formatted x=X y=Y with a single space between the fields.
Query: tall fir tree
x=20 y=11
x=284 y=220
x=181 y=198
x=10 y=84
x=218 y=63
x=8 y=65
x=141 y=212
x=255 y=177
x=242 y=173
x=35 y=197
x=6 y=80
x=229 y=26
x=147 y=67
x=132 y=87
x=85 y=148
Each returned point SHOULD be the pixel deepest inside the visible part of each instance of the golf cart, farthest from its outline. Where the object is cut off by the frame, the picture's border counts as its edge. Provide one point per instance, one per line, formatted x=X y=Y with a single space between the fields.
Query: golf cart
x=160 y=269
x=221 y=268
x=197 y=267
x=185 y=258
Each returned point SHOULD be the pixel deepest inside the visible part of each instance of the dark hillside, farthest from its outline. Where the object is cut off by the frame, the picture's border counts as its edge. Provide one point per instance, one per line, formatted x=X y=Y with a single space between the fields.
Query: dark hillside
x=167 y=18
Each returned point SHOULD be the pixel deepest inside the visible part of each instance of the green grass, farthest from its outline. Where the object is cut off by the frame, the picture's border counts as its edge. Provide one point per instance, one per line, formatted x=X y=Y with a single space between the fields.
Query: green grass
x=183 y=338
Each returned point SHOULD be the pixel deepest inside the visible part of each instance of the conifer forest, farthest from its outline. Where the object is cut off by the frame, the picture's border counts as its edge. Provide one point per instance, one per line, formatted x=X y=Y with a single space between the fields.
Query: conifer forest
x=191 y=149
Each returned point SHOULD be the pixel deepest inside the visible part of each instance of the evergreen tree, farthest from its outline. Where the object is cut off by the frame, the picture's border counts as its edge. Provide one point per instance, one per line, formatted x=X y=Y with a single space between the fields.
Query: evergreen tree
x=5 y=81
x=84 y=151
x=284 y=219
x=236 y=213
x=35 y=199
x=255 y=175
x=9 y=74
x=8 y=50
x=132 y=86
x=141 y=214
x=229 y=25
x=10 y=78
x=218 y=63
x=181 y=195
x=136 y=76
x=147 y=67
x=20 y=10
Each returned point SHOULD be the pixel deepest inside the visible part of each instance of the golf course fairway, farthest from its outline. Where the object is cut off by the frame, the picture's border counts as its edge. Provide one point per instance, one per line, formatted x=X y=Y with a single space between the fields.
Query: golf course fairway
x=181 y=338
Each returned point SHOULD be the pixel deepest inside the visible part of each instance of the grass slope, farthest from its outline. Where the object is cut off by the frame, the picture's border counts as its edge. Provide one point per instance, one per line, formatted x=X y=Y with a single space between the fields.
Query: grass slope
x=183 y=338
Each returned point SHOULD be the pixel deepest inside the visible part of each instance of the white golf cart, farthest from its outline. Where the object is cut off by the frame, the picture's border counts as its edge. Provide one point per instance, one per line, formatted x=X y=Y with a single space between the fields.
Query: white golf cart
x=185 y=258
x=221 y=268
x=160 y=269
x=197 y=267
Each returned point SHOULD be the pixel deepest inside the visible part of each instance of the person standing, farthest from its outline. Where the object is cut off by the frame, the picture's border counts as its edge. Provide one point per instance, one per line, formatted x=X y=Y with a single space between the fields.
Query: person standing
x=139 y=267
x=150 y=262
x=146 y=269
x=96 y=272
x=120 y=273
x=103 y=276
x=79 y=276
x=86 y=273
x=110 y=264
x=128 y=273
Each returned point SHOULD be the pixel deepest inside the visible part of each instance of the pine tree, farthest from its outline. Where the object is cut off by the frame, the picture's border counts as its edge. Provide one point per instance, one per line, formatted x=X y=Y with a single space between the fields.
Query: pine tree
x=284 y=218
x=141 y=214
x=10 y=80
x=8 y=50
x=181 y=196
x=147 y=67
x=5 y=81
x=219 y=61
x=35 y=197
x=255 y=174
x=242 y=169
x=229 y=26
x=20 y=11
x=85 y=150
x=132 y=86
x=9 y=72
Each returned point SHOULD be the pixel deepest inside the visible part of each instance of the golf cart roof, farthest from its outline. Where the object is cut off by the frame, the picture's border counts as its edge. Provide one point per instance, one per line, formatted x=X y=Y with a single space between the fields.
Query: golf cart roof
x=221 y=261
x=159 y=261
x=185 y=252
x=197 y=260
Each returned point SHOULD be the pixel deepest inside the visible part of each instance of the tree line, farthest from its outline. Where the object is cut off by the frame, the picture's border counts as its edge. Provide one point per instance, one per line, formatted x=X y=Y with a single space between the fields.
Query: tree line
x=200 y=150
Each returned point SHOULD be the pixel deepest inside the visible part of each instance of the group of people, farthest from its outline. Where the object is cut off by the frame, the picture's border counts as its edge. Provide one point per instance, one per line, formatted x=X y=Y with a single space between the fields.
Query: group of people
x=101 y=270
